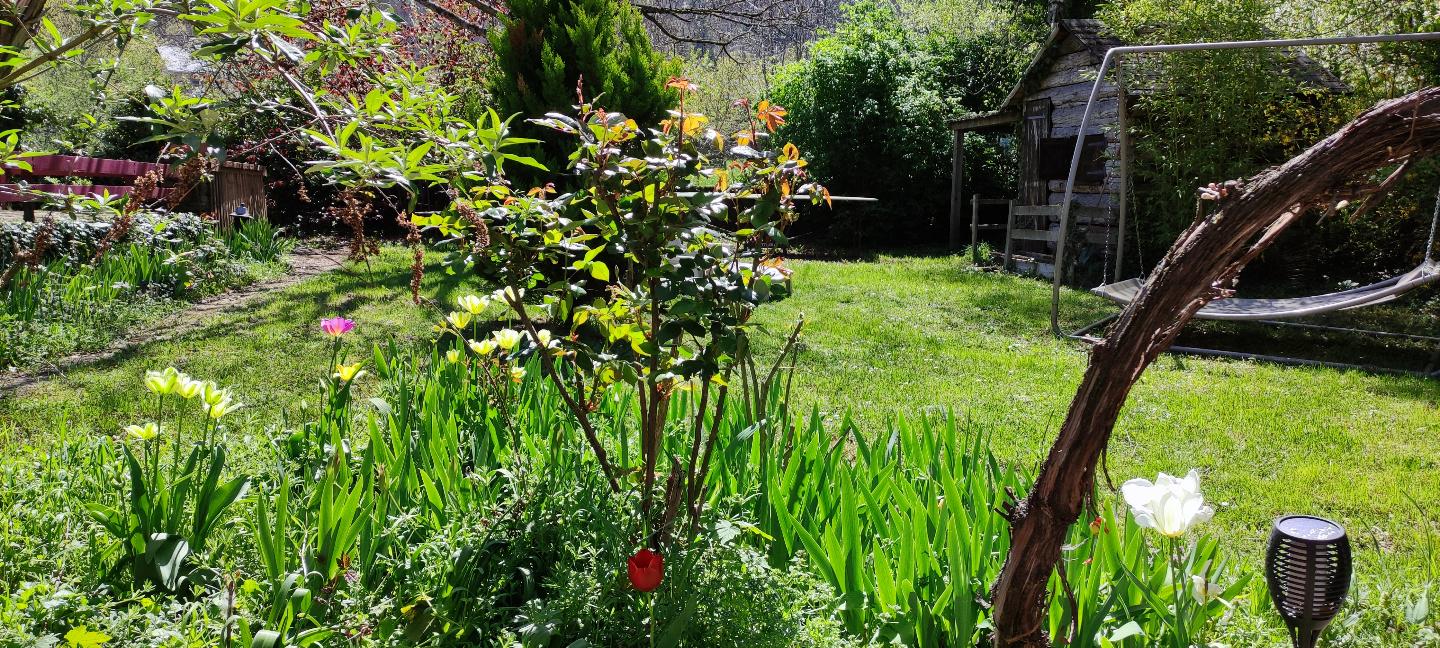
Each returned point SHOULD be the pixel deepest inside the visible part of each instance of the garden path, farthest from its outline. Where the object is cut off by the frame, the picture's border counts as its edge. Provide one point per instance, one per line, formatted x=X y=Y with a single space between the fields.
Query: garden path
x=305 y=262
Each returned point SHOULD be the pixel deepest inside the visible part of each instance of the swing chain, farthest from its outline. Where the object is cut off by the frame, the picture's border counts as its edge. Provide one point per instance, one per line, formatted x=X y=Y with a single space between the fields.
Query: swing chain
x=1434 y=222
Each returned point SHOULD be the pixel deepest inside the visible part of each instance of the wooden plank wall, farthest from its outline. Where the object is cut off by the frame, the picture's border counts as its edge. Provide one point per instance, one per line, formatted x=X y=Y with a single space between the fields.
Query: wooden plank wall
x=1067 y=83
x=234 y=183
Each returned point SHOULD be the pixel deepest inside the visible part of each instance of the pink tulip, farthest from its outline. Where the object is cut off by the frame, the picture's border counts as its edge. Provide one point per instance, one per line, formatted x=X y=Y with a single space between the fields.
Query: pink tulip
x=337 y=326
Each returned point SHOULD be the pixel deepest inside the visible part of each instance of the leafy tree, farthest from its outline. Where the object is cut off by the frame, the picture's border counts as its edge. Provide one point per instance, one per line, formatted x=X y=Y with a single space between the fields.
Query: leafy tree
x=1217 y=115
x=873 y=99
x=546 y=48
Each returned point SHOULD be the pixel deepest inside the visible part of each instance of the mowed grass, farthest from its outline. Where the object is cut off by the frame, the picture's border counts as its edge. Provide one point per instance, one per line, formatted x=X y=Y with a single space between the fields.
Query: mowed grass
x=901 y=335
x=271 y=352
x=896 y=336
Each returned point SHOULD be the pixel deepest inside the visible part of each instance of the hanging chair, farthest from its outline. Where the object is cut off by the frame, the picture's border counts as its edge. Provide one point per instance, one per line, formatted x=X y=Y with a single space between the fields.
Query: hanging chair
x=1237 y=309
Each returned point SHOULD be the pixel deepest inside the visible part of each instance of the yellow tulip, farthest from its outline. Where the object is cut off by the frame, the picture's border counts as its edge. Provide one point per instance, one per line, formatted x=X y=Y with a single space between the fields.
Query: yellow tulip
x=472 y=304
x=144 y=432
x=347 y=373
x=507 y=338
x=212 y=393
x=458 y=319
x=162 y=382
x=483 y=347
x=453 y=355
x=221 y=408
x=517 y=374
x=508 y=294
x=187 y=387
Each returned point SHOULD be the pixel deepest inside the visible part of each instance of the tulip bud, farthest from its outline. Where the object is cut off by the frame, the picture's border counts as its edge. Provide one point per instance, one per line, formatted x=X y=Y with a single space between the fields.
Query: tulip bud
x=647 y=569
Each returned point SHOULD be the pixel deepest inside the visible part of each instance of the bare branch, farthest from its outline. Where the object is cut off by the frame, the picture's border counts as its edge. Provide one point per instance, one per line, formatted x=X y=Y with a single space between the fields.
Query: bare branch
x=454 y=17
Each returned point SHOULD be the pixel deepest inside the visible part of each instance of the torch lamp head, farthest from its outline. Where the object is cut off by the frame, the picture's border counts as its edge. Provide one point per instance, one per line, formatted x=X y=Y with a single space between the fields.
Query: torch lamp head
x=1308 y=568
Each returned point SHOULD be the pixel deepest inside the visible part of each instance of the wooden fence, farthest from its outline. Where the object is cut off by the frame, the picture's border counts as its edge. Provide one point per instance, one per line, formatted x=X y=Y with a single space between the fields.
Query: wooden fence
x=235 y=183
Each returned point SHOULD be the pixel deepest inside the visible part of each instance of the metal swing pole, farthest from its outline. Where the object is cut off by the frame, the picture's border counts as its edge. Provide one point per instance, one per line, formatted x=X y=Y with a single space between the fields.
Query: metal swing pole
x=1105 y=64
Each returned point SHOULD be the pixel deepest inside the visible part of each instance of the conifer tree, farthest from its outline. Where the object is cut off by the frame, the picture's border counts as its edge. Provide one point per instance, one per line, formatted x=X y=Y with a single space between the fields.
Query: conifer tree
x=545 y=47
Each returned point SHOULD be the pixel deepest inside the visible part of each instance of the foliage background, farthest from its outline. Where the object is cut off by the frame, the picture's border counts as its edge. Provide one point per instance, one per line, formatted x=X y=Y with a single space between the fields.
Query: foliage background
x=1223 y=115
x=873 y=98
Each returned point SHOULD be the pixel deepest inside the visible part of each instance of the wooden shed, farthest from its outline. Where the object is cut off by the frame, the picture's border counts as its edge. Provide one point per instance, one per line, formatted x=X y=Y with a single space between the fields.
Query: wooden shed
x=1044 y=112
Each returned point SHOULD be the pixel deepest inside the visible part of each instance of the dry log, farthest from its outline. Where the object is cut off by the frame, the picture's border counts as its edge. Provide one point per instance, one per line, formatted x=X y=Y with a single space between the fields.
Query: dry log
x=1201 y=266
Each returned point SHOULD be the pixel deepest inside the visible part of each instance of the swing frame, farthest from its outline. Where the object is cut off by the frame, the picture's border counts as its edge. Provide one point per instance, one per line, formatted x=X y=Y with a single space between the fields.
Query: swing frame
x=1083 y=333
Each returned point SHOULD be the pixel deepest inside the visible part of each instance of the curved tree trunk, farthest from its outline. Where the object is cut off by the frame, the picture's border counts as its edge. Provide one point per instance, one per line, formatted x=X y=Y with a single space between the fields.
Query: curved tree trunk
x=1200 y=267
x=20 y=18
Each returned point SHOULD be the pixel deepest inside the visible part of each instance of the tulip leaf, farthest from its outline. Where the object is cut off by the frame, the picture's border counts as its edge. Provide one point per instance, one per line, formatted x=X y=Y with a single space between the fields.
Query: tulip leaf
x=1130 y=629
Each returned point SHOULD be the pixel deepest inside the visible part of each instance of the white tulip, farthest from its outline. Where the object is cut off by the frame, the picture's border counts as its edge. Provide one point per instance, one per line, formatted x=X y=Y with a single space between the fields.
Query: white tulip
x=1170 y=505
x=1204 y=591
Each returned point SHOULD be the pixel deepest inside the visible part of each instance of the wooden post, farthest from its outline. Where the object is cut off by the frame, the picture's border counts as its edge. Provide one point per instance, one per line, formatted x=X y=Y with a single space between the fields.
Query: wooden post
x=975 y=228
x=957 y=191
x=1124 y=118
x=1009 y=228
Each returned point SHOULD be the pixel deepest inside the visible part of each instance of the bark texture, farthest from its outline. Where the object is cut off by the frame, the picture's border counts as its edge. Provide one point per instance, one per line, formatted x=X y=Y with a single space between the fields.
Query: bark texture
x=1200 y=267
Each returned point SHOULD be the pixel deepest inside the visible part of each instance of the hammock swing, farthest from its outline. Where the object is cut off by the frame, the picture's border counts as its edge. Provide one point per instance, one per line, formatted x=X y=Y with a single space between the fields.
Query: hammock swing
x=1267 y=311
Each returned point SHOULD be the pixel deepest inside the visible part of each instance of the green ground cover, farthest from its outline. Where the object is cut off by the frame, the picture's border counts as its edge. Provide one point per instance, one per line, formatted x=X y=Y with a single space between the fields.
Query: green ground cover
x=900 y=336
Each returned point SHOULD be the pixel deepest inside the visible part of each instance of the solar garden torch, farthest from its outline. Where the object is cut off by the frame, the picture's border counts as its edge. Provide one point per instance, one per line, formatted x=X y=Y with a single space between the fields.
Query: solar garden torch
x=1307 y=566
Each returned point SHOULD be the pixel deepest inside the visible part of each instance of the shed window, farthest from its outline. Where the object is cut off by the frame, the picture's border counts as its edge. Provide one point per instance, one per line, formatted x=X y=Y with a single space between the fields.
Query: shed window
x=1054 y=162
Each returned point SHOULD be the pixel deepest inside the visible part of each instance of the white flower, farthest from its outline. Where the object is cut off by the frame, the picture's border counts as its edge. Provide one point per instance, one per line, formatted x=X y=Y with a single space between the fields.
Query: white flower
x=1170 y=505
x=1204 y=591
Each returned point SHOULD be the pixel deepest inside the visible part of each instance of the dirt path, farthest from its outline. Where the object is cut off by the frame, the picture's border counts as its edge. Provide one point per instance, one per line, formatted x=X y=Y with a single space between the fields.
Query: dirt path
x=304 y=263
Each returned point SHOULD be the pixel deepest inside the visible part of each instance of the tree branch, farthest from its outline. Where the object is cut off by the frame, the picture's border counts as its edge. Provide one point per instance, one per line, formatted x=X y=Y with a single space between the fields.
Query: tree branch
x=454 y=17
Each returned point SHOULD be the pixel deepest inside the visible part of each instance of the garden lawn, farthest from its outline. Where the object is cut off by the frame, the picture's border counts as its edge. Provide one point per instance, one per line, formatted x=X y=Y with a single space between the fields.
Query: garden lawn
x=898 y=336
x=271 y=352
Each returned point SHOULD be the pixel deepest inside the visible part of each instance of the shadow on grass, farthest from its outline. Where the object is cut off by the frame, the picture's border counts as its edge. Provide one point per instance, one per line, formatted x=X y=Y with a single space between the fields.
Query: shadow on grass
x=340 y=292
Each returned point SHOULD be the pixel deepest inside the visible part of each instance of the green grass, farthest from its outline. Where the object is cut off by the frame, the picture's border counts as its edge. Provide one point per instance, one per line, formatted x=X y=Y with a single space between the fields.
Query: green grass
x=903 y=334
x=898 y=336
x=69 y=328
x=271 y=352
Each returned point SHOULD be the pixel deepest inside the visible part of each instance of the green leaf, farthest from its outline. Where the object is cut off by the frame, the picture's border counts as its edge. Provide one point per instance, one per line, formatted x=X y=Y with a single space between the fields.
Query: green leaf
x=600 y=271
x=165 y=559
x=82 y=637
x=267 y=639
x=1415 y=614
x=1130 y=629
